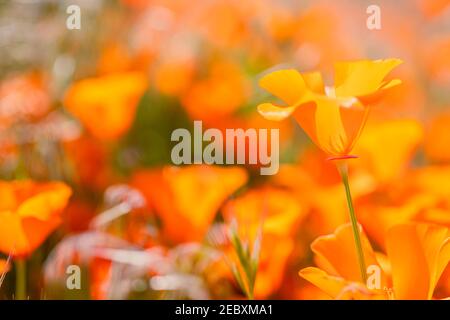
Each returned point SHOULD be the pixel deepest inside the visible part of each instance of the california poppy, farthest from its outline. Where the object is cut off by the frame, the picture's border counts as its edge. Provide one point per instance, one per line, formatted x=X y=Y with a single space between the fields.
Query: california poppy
x=218 y=95
x=187 y=198
x=333 y=117
x=106 y=105
x=29 y=212
x=417 y=255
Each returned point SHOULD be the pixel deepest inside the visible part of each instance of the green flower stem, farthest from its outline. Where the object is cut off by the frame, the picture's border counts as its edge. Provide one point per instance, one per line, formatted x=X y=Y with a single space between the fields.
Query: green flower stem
x=21 y=279
x=343 y=169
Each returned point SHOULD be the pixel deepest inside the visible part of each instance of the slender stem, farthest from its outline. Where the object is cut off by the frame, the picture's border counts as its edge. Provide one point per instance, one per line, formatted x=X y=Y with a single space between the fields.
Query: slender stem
x=343 y=169
x=21 y=279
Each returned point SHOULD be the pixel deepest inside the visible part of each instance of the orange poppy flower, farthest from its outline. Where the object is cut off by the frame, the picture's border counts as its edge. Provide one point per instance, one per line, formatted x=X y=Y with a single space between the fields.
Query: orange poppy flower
x=333 y=117
x=114 y=58
x=218 y=95
x=387 y=147
x=175 y=76
x=29 y=212
x=106 y=105
x=188 y=198
x=417 y=255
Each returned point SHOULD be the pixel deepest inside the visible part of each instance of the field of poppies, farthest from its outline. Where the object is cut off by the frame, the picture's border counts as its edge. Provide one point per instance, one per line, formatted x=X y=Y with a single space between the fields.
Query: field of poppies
x=96 y=204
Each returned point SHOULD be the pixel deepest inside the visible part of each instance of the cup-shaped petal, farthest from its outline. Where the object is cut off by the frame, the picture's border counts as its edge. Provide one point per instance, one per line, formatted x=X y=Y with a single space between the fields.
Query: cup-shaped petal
x=419 y=253
x=364 y=78
x=333 y=124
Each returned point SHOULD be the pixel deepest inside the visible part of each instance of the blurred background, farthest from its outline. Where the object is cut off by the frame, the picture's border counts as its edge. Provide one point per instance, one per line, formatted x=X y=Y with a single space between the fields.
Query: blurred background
x=95 y=107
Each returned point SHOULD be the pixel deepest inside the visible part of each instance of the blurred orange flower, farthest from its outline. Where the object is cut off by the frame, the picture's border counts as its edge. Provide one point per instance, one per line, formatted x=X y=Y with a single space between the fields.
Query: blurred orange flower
x=106 y=105
x=188 y=198
x=114 y=58
x=29 y=212
x=333 y=117
x=386 y=148
x=218 y=95
x=174 y=77
x=417 y=256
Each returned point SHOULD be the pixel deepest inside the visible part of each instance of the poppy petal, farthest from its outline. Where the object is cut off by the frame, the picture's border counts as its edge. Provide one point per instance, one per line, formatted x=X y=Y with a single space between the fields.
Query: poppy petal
x=339 y=251
x=274 y=113
x=418 y=254
x=329 y=284
x=364 y=77
x=288 y=85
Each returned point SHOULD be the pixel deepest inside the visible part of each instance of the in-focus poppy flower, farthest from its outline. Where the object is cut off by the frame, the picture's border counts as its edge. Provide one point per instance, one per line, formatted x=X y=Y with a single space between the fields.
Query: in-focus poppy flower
x=188 y=198
x=417 y=255
x=29 y=212
x=106 y=105
x=333 y=117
